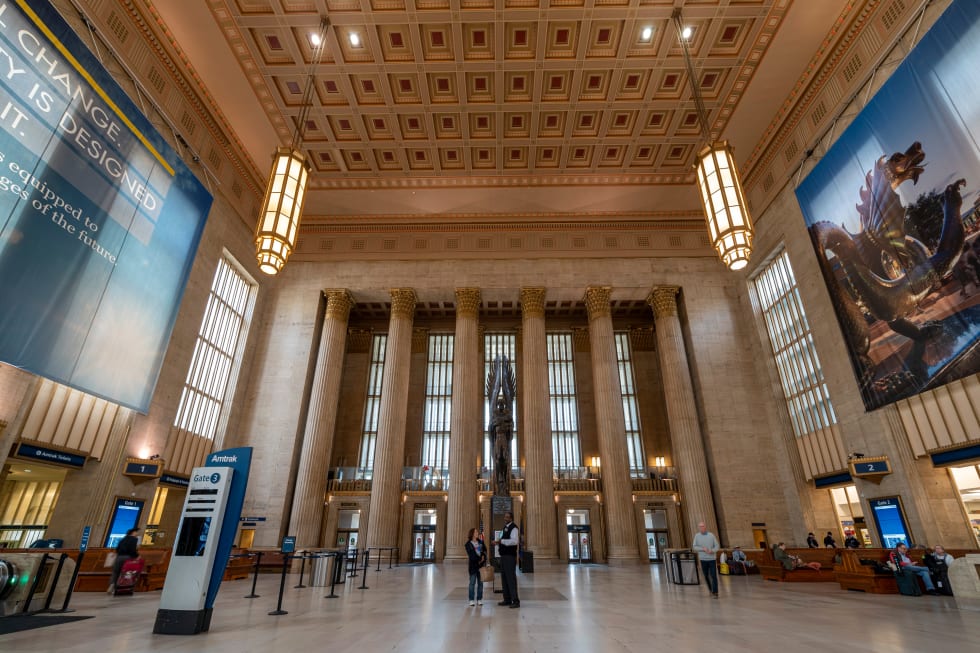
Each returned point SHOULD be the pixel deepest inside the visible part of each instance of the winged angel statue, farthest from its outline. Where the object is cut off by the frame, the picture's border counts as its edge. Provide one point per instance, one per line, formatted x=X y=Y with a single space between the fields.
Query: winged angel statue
x=501 y=390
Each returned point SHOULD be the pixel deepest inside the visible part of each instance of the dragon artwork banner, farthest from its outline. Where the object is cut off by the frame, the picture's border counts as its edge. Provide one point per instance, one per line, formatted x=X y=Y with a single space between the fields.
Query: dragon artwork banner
x=892 y=210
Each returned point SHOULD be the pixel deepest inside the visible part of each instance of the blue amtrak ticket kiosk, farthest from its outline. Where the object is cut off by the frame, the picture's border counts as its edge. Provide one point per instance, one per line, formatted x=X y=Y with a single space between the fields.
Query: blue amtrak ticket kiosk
x=205 y=536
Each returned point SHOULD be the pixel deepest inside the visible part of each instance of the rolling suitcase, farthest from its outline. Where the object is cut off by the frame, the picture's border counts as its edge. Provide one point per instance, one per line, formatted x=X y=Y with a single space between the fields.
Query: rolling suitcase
x=129 y=575
x=908 y=584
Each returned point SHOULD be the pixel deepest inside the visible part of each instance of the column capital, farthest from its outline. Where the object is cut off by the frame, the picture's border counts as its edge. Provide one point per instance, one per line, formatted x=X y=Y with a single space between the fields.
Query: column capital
x=359 y=340
x=597 y=301
x=467 y=302
x=663 y=301
x=403 y=302
x=339 y=303
x=532 y=302
x=420 y=340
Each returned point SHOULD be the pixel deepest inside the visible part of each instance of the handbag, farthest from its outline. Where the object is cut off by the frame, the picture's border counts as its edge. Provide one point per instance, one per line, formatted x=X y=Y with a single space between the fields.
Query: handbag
x=486 y=574
x=110 y=559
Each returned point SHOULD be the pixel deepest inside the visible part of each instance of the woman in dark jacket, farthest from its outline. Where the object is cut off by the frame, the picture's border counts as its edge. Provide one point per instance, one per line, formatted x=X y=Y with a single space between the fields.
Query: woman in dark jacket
x=476 y=551
x=127 y=549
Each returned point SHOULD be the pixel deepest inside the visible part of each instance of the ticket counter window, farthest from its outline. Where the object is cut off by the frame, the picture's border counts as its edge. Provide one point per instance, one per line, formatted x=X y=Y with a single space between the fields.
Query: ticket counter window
x=424 y=535
x=967 y=480
x=348 y=526
x=850 y=515
x=579 y=535
x=655 y=527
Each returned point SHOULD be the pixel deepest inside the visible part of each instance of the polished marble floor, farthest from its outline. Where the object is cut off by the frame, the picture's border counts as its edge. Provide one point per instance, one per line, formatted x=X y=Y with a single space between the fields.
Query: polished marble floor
x=578 y=608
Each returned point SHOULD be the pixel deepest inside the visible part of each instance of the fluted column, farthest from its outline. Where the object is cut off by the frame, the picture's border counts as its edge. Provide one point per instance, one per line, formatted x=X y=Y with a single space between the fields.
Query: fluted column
x=617 y=488
x=311 y=480
x=389 y=450
x=463 y=440
x=685 y=429
x=539 y=497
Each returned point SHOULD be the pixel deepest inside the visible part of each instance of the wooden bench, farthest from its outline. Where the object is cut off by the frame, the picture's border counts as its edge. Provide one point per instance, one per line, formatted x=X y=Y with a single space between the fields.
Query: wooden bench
x=851 y=574
x=771 y=569
x=240 y=565
x=751 y=555
x=94 y=575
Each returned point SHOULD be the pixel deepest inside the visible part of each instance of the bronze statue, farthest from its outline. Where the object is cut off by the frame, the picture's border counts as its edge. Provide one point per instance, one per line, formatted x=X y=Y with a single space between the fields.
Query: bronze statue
x=501 y=389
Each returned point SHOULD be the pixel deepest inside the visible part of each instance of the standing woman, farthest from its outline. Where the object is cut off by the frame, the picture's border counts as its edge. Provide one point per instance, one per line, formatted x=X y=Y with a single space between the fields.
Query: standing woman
x=477 y=554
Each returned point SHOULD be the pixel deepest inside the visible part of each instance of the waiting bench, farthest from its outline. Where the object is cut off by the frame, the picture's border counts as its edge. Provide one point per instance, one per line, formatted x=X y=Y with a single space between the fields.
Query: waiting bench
x=772 y=569
x=858 y=571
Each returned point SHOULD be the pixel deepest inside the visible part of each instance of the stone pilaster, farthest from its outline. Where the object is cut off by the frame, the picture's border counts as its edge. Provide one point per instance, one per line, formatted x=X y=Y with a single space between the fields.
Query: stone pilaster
x=311 y=480
x=464 y=442
x=686 y=440
x=539 y=467
x=389 y=451
x=617 y=488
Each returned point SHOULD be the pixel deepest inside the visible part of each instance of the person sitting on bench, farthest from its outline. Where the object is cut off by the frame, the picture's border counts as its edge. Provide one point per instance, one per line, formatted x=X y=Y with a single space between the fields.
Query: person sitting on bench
x=791 y=562
x=901 y=559
x=938 y=562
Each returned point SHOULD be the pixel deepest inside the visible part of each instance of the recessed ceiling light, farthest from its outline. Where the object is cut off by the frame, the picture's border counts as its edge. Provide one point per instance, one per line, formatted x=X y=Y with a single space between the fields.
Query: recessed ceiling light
x=28 y=470
x=686 y=34
x=314 y=39
x=646 y=33
x=355 y=40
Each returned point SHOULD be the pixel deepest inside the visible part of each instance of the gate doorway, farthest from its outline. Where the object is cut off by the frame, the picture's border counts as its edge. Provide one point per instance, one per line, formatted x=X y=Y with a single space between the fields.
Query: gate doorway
x=655 y=526
x=424 y=535
x=579 y=535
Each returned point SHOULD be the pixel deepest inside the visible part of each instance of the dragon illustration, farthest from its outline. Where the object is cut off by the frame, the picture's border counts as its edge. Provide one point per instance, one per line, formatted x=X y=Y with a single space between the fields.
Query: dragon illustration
x=501 y=390
x=884 y=272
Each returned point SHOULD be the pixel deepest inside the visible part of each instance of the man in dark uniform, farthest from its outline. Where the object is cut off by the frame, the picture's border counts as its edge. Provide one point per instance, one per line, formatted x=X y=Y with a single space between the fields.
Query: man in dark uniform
x=507 y=546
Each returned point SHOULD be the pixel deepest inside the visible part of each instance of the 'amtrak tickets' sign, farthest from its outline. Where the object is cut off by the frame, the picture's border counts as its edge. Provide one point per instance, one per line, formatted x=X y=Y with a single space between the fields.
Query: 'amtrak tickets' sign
x=99 y=219
x=46 y=455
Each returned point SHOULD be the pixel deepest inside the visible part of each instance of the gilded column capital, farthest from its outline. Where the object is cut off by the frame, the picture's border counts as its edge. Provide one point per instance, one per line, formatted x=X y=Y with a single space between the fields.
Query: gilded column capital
x=532 y=302
x=420 y=340
x=403 y=302
x=339 y=303
x=581 y=340
x=359 y=340
x=597 y=301
x=467 y=302
x=663 y=301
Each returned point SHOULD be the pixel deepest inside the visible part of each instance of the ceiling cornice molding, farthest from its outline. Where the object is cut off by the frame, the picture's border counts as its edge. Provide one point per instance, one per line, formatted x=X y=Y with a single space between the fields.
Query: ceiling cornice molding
x=194 y=92
x=521 y=179
x=852 y=21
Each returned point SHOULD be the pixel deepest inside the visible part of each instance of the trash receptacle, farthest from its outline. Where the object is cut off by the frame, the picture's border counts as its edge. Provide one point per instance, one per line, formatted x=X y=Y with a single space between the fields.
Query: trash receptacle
x=683 y=568
x=527 y=562
x=323 y=568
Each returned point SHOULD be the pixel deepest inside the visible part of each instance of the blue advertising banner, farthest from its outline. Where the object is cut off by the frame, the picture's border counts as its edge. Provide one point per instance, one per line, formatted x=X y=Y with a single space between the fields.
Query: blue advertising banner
x=892 y=210
x=99 y=218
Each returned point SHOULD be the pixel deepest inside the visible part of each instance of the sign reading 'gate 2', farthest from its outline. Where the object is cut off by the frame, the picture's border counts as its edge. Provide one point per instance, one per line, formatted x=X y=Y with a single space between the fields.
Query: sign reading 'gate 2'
x=99 y=218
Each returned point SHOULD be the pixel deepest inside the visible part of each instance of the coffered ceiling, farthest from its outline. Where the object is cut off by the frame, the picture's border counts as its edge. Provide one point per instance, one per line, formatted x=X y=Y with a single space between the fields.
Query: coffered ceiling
x=516 y=116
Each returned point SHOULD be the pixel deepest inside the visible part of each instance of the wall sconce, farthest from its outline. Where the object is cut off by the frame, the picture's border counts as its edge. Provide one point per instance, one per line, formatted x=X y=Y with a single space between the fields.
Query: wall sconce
x=659 y=461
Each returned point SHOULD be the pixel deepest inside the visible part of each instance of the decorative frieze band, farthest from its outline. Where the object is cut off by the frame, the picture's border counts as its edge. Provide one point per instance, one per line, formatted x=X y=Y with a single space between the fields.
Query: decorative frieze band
x=467 y=302
x=597 y=301
x=532 y=302
x=663 y=301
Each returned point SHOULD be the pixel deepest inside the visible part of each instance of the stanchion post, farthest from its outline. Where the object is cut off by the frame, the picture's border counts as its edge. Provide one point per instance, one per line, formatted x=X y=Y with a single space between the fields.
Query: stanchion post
x=302 y=569
x=282 y=586
x=367 y=560
x=71 y=585
x=37 y=579
x=339 y=559
x=255 y=575
x=379 y=560
x=354 y=573
x=54 y=583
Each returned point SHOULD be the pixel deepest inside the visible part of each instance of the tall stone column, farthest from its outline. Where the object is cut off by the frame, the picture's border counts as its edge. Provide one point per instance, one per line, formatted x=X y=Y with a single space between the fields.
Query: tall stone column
x=539 y=485
x=685 y=429
x=617 y=490
x=464 y=442
x=311 y=480
x=389 y=450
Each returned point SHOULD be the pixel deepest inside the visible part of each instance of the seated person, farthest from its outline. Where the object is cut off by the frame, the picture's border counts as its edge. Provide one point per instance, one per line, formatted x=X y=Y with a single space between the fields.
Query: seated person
x=938 y=562
x=791 y=561
x=905 y=565
x=739 y=561
x=851 y=542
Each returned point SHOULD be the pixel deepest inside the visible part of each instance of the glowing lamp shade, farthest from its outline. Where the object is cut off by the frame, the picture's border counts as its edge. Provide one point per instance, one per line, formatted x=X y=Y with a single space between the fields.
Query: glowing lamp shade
x=724 y=204
x=275 y=234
